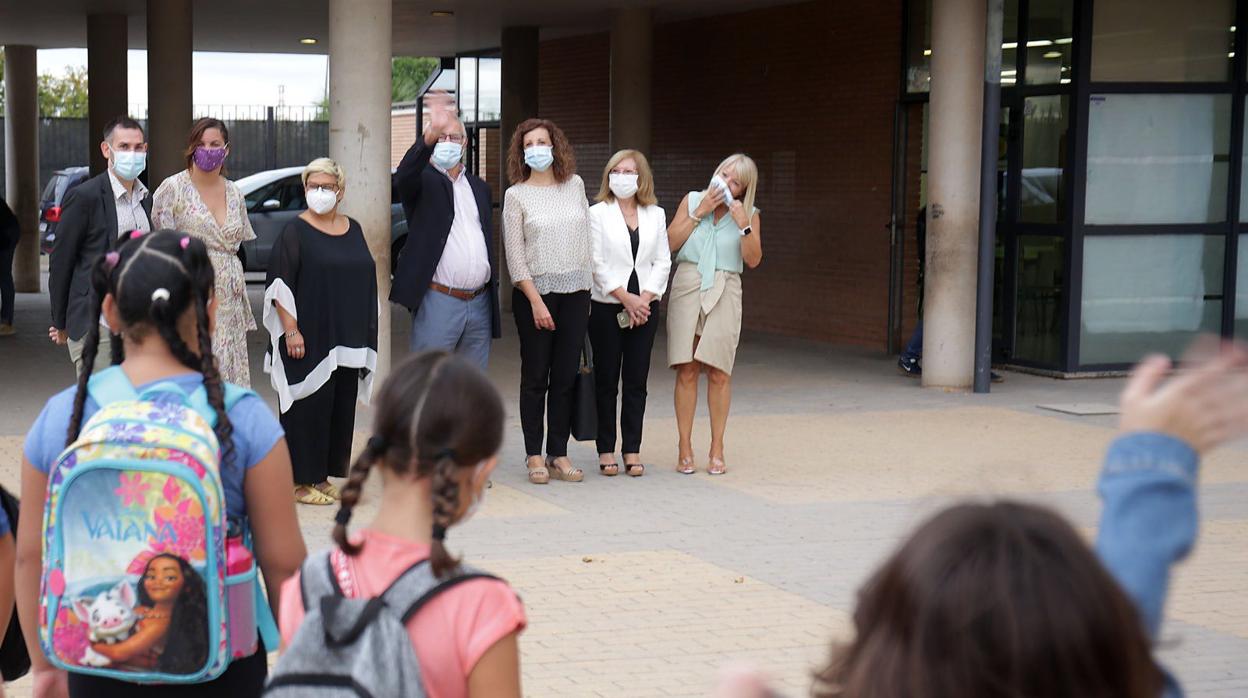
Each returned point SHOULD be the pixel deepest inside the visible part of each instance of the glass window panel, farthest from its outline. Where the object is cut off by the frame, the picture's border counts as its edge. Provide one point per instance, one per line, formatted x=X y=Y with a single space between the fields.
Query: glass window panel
x=1050 y=38
x=1003 y=163
x=468 y=89
x=1241 y=289
x=1148 y=293
x=491 y=100
x=1188 y=41
x=1042 y=192
x=1157 y=158
x=1038 y=320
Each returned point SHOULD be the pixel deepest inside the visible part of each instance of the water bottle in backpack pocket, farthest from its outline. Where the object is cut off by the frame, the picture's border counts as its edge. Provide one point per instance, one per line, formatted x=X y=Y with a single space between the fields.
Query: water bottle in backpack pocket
x=136 y=548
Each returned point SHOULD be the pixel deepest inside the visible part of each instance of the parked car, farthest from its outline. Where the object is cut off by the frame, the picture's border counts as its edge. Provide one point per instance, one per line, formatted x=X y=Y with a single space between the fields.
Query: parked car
x=275 y=197
x=50 y=202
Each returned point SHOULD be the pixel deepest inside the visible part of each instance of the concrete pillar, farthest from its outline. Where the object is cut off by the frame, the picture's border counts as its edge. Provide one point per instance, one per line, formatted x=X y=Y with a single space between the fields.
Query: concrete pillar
x=519 y=102
x=632 y=42
x=21 y=159
x=169 y=80
x=359 y=132
x=107 y=79
x=953 y=193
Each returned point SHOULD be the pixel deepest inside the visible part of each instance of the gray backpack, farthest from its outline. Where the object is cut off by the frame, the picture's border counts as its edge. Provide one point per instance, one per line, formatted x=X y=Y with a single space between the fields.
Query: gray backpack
x=357 y=647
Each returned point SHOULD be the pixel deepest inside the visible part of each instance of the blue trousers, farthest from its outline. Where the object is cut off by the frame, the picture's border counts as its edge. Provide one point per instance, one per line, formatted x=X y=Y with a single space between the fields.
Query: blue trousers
x=450 y=324
x=914 y=348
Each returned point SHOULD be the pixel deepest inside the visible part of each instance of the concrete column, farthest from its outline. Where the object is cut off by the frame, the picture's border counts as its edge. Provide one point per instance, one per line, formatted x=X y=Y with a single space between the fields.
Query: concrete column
x=632 y=43
x=107 y=79
x=953 y=193
x=519 y=102
x=359 y=132
x=169 y=80
x=21 y=159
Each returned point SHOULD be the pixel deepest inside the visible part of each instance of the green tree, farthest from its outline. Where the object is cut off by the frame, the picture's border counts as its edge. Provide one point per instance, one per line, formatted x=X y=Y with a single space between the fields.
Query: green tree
x=407 y=74
x=65 y=96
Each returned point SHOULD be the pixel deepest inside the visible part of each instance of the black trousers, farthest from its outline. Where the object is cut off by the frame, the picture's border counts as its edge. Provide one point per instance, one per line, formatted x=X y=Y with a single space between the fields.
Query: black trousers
x=548 y=365
x=319 y=429
x=621 y=353
x=244 y=678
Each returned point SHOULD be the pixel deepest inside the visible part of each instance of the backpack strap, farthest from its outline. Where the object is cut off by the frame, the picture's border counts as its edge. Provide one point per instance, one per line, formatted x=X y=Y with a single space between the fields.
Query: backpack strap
x=198 y=401
x=317 y=579
x=418 y=586
x=109 y=386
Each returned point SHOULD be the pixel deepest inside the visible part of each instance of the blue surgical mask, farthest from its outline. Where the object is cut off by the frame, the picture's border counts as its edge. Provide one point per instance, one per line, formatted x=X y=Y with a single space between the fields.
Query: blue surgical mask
x=128 y=164
x=539 y=157
x=447 y=154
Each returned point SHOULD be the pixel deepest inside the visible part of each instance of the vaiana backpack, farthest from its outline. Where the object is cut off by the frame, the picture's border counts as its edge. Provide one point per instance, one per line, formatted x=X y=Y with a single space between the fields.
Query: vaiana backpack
x=357 y=646
x=144 y=580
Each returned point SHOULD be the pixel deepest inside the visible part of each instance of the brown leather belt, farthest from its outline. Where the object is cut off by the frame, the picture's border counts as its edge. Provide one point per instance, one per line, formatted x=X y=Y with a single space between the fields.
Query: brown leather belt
x=456 y=293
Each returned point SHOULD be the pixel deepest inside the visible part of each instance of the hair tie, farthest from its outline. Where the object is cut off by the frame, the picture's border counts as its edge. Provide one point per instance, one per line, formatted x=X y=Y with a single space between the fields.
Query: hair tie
x=111 y=259
x=343 y=516
x=184 y=242
x=136 y=234
x=377 y=445
x=439 y=532
x=444 y=454
x=160 y=294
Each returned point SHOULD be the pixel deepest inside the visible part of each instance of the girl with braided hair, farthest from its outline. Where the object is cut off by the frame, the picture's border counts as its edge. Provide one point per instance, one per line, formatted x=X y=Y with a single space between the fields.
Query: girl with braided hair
x=437 y=431
x=156 y=291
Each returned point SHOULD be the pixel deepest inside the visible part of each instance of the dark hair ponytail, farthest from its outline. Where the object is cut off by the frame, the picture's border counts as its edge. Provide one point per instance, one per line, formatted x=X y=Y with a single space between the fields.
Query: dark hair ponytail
x=436 y=414
x=154 y=280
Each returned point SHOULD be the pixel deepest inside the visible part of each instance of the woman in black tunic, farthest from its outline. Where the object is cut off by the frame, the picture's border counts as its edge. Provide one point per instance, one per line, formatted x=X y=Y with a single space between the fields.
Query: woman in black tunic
x=320 y=308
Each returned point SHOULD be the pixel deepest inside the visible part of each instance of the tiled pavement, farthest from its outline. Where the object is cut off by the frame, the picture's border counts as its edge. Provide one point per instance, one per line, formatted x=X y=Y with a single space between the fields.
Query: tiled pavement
x=644 y=587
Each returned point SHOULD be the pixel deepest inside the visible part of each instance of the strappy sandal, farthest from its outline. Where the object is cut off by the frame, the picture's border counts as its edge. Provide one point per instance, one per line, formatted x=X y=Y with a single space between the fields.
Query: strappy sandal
x=572 y=474
x=716 y=467
x=686 y=466
x=327 y=488
x=609 y=469
x=539 y=475
x=635 y=470
x=307 y=494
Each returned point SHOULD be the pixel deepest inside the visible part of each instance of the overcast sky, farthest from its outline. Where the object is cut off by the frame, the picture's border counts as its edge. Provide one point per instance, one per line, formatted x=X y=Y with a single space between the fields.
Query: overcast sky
x=220 y=78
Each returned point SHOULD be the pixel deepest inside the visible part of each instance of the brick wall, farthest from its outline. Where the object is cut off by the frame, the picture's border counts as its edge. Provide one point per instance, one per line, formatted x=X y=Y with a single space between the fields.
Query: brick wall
x=402 y=135
x=808 y=90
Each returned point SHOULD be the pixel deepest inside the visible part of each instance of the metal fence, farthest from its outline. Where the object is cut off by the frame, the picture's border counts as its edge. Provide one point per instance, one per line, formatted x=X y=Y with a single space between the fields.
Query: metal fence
x=256 y=144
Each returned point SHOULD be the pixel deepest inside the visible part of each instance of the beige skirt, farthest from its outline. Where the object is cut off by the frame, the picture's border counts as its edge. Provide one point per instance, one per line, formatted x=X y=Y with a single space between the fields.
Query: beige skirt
x=714 y=316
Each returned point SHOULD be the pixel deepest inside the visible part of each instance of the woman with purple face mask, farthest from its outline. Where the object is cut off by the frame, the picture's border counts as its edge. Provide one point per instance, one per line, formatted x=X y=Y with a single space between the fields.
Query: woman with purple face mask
x=202 y=202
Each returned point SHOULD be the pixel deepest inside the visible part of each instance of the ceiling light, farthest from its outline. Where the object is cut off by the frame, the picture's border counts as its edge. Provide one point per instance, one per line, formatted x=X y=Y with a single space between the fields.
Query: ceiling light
x=1067 y=40
x=1053 y=54
x=1010 y=45
x=442 y=13
x=927 y=52
x=1232 y=28
x=307 y=40
x=1231 y=54
x=1064 y=81
x=1008 y=81
x=1009 y=72
x=1039 y=42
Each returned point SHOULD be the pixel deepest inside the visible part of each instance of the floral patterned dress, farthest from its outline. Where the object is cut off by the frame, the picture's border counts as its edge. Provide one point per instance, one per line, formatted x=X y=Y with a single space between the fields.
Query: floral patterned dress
x=177 y=205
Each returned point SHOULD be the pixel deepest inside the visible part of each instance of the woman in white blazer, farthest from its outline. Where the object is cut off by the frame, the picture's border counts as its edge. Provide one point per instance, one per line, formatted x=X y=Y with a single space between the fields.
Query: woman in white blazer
x=628 y=238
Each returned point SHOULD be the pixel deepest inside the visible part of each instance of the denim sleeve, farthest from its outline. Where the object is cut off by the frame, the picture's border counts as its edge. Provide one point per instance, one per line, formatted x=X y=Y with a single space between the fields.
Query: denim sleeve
x=1149 y=521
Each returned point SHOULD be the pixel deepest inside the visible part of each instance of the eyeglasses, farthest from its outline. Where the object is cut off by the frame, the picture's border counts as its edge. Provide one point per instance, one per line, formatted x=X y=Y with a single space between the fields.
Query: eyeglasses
x=451 y=138
x=328 y=188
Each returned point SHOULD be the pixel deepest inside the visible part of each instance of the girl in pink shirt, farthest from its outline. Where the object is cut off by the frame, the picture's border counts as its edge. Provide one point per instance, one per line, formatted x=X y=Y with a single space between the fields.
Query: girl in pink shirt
x=437 y=432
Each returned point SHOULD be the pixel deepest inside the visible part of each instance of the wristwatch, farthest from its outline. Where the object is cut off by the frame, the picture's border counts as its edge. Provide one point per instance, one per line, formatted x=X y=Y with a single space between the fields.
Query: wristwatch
x=746 y=230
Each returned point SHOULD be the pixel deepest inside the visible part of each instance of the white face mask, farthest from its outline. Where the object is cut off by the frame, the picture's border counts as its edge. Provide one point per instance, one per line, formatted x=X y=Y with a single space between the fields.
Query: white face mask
x=622 y=185
x=321 y=201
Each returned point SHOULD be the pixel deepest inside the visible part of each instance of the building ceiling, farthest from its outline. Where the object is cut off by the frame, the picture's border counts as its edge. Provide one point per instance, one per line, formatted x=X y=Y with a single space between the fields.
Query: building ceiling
x=275 y=26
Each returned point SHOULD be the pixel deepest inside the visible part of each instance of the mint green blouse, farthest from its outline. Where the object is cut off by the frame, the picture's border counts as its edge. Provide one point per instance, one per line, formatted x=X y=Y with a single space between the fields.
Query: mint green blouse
x=712 y=246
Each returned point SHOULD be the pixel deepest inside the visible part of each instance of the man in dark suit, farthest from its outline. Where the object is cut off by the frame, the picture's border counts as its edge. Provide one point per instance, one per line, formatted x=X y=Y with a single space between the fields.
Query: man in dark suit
x=446 y=274
x=93 y=215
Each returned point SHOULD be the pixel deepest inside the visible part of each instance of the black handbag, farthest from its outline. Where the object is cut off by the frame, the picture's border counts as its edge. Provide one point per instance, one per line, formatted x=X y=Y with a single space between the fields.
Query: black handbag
x=585 y=398
x=14 y=659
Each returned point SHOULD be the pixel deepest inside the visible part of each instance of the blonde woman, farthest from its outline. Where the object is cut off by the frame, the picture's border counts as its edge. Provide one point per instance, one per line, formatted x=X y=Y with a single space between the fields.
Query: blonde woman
x=715 y=235
x=628 y=238
x=320 y=308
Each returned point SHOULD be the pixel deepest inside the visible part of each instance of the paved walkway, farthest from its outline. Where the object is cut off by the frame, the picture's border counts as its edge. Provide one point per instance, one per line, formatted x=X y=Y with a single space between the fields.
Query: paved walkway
x=644 y=587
